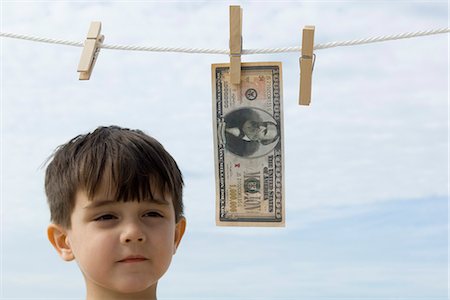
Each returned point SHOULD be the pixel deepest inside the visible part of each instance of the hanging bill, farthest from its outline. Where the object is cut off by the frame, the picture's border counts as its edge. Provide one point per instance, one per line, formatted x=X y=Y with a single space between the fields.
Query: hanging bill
x=248 y=145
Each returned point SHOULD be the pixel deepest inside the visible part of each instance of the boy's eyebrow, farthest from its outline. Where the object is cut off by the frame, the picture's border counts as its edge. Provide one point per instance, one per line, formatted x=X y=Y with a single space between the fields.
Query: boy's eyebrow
x=100 y=203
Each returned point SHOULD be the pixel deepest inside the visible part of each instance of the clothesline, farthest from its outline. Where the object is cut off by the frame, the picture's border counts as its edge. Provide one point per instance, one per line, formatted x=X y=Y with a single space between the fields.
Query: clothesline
x=227 y=52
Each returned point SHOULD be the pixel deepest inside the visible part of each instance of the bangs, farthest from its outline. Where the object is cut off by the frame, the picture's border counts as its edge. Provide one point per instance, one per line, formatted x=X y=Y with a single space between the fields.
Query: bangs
x=125 y=171
x=109 y=184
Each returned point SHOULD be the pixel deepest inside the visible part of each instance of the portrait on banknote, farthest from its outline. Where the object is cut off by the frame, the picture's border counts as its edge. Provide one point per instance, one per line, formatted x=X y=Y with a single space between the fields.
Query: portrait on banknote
x=250 y=132
x=248 y=146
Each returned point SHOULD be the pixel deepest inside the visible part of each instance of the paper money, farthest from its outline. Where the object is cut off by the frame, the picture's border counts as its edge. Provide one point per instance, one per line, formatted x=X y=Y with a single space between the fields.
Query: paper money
x=248 y=145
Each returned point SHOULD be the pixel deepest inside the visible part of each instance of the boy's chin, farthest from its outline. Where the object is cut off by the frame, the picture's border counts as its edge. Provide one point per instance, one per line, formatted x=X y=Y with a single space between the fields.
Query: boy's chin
x=135 y=288
x=132 y=287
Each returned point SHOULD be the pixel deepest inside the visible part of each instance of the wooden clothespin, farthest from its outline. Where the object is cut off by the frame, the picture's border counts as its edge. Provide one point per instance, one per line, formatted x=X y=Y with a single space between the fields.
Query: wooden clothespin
x=90 y=51
x=306 y=65
x=235 y=43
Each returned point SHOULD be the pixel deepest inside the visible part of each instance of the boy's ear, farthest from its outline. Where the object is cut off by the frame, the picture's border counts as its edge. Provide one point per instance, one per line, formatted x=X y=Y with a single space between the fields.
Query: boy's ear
x=180 y=227
x=57 y=236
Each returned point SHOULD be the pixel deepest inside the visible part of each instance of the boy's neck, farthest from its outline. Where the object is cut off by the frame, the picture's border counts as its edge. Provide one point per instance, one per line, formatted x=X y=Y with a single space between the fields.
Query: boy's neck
x=99 y=293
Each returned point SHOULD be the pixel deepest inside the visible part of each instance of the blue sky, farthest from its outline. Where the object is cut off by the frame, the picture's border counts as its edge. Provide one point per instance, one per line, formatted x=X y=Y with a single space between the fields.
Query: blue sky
x=366 y=163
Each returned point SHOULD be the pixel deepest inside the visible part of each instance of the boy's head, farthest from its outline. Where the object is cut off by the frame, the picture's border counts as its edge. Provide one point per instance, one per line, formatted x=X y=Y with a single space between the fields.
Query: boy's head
x=124 y=160
x=115 y=198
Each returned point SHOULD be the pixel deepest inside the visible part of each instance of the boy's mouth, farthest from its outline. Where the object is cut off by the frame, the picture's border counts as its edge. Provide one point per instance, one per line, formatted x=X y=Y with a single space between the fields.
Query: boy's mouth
x=133 y=259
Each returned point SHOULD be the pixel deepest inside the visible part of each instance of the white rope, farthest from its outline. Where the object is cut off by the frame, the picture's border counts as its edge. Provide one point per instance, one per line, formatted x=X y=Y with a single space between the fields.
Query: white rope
x=226 y=52
x=40 y=39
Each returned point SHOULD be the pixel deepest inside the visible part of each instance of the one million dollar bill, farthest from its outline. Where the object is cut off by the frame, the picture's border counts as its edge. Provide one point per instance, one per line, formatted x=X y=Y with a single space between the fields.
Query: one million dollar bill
x=248 y=145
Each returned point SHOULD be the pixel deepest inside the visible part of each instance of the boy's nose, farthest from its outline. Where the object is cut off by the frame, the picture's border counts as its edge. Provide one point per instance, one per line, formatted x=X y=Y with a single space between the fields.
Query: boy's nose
x=132 y=233
x=130 y=240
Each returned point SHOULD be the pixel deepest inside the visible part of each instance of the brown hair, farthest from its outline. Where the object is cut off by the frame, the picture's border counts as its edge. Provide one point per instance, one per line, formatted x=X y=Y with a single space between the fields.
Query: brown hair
x=128 y=160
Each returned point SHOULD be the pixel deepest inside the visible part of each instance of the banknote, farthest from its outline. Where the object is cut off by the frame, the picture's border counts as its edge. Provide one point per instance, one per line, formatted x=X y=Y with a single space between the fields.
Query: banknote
x=248 y=145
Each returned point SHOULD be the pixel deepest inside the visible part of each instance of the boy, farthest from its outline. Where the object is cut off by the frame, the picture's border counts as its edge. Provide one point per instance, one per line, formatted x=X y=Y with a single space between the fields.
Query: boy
x=115 y=198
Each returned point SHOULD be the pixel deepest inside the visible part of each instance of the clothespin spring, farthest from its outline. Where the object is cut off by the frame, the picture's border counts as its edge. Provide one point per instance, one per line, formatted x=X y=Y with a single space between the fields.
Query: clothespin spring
x=307 y=57
x=99 y=43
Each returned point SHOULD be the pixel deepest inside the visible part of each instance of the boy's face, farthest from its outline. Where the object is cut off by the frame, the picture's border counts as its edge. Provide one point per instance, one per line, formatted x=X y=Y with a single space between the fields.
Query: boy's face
x=123 y=247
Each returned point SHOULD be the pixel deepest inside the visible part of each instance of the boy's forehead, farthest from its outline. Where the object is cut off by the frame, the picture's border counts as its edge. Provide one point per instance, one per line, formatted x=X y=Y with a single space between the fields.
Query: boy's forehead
x=99 y=202
x=105 y=195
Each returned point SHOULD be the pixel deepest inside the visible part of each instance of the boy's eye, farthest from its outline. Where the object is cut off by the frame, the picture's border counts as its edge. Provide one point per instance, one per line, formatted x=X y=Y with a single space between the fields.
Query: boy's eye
x=105 y=217
x=152 y=214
